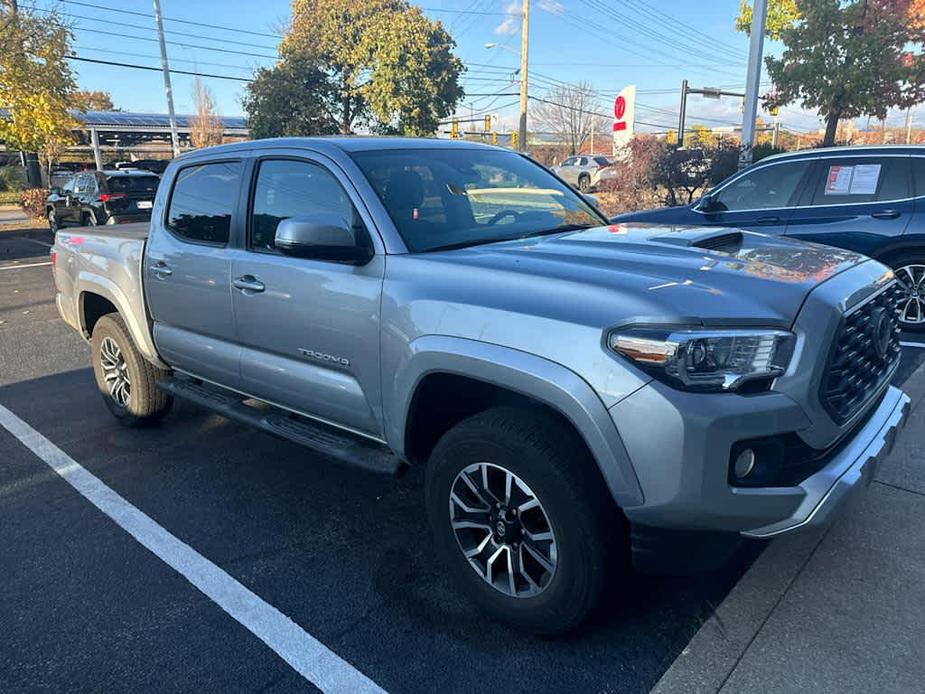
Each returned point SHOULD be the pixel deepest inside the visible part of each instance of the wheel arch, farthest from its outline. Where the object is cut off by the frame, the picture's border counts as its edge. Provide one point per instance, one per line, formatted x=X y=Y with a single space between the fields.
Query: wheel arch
x=515 y=377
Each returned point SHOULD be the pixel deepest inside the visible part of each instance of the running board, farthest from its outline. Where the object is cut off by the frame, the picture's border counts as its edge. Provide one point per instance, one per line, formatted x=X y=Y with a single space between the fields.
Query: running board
x=322 y=438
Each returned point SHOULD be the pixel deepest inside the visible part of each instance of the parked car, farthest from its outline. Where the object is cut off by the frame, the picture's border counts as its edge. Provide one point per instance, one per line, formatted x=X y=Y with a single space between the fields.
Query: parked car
x=865 y=199
x=585 y=172
x=581 y=394
x=102 y=197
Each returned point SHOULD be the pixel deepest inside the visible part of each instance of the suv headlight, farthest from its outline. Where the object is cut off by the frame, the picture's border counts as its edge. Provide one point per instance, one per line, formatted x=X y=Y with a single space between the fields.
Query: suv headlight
x=713 y=360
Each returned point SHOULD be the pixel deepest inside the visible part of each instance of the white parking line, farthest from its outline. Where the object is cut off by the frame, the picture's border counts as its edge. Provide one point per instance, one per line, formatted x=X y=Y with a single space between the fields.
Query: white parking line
x=20 y=267
x=307 y=656
x=920 y=345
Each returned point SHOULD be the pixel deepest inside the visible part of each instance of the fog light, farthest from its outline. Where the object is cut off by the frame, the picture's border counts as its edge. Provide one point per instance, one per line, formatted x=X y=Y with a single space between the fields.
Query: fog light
x=744 y=464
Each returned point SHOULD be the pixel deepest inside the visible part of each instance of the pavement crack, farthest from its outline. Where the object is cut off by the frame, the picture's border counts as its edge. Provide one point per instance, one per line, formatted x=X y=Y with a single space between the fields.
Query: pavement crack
x=902 y=489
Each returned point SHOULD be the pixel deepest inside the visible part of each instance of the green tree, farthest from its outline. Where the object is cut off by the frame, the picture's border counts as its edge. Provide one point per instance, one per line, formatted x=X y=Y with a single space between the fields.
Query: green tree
x=36 y=83
x=293 y=98
x=848 y=59
x=392 y=69
x=781 y=15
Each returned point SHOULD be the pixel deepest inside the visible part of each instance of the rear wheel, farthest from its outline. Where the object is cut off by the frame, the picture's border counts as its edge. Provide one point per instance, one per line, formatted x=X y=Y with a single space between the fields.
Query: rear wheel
x=910 y=273
x=126 y=380
x=584 y=183
x=52 y=220
x=89 y=219
x=525 y=526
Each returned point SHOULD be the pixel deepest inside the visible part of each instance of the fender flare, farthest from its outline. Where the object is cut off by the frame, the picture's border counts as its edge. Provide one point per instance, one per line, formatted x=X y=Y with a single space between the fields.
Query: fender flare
x=88 y=283
x=545 y=381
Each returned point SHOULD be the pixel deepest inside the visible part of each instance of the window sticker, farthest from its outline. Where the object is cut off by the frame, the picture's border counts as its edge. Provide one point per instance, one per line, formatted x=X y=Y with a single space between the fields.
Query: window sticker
x=864 y=180
x=860 y=179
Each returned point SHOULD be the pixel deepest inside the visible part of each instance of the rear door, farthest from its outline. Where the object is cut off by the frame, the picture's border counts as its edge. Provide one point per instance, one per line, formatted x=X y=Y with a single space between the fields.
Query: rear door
x=187 y=270
x=761 y=198
x=310 y=332
x=861 y=203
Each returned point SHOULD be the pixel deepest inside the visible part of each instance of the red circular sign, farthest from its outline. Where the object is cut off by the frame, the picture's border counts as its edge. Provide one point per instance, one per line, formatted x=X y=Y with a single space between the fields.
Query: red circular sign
x=619 y=107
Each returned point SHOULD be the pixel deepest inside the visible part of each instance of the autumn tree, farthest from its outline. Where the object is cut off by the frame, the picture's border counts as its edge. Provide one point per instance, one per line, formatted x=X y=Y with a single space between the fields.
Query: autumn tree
x=206 y=127
x=36 y=82
x=293 y=98
x=568 y=111
x=847 y=59
x=86 y=100
x=390 y=67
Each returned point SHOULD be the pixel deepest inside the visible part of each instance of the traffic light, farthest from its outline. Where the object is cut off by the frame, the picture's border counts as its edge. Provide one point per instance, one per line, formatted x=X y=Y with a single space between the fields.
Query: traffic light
x=513 y=140
x=487 y=123
x=494 y=138
x=454 y=130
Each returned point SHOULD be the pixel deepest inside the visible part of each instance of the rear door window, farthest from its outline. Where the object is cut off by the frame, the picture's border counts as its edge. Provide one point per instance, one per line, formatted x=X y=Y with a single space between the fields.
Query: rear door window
x=848 y=180
x=202 y=201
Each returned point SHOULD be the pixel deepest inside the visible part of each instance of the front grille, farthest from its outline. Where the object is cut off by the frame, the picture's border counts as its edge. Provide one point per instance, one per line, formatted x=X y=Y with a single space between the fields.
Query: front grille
x=864 y=355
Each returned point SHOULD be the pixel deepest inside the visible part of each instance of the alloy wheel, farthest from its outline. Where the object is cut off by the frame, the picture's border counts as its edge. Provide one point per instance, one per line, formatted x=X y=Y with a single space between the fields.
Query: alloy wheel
x=912 y=301
x=52 y=220
x=115 y=372
x=502 y=529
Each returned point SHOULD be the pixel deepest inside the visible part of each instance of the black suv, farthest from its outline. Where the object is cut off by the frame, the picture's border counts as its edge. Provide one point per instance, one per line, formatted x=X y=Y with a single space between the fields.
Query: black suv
x=102 y=197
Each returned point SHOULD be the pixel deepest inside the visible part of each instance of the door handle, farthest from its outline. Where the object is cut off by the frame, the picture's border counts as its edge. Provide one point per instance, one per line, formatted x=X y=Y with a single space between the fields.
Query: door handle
x=886 y=214
x=249 y=284
x=161 y=269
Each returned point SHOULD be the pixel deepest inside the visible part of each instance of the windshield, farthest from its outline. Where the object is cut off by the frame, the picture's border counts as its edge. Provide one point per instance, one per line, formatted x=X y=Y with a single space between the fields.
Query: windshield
x=133 y=184
x=450 y=198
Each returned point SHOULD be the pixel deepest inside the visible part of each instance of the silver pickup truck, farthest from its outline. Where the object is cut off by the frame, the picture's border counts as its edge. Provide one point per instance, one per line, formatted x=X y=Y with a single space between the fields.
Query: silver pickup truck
x=584 y=396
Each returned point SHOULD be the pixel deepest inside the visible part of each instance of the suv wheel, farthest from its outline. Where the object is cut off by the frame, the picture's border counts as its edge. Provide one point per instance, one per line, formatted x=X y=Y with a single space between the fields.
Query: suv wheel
x=52 y=220
x=910 y=273
x=126 y=380
x=584 y=183
x=89 y=219
x=525 y=527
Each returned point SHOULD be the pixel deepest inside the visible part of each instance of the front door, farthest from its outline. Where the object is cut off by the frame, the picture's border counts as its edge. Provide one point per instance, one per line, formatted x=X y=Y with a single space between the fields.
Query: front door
x=760 y=199
x=860 y=203
x=187 y=269
x=309 y=329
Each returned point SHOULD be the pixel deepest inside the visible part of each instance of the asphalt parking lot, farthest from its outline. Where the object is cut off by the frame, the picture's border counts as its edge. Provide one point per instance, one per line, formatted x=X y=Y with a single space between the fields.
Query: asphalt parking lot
x=343 y=553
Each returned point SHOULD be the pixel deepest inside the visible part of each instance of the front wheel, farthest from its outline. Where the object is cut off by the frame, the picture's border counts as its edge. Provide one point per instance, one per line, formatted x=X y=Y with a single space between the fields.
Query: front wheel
x=584 y=183
x=53 y=224
x=910 y=273
x=522 y=519
x=126 y=380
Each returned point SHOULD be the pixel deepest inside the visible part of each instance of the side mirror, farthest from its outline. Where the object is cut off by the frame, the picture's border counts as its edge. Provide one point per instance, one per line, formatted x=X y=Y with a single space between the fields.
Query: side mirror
x=322 y=237
x=707 y=203
x=590 y=199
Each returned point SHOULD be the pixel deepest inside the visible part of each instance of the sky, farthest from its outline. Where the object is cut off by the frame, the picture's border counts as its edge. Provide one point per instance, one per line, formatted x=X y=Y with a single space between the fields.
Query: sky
x=653 y=44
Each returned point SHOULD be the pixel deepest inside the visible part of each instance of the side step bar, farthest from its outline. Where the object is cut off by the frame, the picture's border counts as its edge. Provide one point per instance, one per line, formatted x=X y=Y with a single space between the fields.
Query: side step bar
x=319 y=437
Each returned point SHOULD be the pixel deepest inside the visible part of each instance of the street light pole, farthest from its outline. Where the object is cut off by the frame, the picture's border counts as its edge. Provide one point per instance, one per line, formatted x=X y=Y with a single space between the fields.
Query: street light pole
x=171 y=116
x=753 y=81
x=524 y=42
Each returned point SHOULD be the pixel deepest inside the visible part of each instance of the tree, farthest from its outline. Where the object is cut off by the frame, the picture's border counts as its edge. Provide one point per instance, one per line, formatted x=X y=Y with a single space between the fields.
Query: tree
x=568 y=111
x=36 y=83
x=781 y=15
x=206 y=128
x=848 y=59
x=293 y=98
x=86 y=100
x=391 y=68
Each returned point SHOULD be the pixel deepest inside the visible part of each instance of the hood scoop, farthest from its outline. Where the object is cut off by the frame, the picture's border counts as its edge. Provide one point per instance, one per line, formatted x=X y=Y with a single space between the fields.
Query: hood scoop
x=712 y=240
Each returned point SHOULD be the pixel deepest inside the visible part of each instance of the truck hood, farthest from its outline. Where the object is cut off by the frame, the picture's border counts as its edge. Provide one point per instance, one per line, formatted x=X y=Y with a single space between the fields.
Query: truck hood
x=696 y=275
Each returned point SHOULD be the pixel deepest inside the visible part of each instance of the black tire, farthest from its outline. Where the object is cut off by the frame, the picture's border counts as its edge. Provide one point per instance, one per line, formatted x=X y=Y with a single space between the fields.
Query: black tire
x=584 y=183
x=145 y=402
x=898 y=262
x=52 y=217
x=589 y=531
x=88 y=219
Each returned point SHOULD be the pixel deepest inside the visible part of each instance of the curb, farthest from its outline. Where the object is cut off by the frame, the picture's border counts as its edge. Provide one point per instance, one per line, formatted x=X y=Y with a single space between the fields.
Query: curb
x=713 y=653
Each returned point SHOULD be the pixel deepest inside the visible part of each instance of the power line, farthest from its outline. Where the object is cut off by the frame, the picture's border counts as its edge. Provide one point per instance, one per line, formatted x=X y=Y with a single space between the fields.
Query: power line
x=184 y=45
x=440 y=9
x=157 y=69
x=154 y=57
x=170 y=19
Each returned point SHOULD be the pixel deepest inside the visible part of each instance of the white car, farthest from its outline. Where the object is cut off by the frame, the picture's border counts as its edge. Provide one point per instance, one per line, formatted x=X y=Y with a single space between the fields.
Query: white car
x=585 y=172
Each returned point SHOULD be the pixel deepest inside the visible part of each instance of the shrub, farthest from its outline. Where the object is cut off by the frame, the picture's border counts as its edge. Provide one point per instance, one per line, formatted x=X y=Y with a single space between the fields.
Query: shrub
x=32 y=201
x=12 y=178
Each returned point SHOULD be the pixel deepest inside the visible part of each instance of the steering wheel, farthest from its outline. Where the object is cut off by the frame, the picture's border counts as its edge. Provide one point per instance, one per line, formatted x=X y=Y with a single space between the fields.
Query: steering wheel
x=502 y=214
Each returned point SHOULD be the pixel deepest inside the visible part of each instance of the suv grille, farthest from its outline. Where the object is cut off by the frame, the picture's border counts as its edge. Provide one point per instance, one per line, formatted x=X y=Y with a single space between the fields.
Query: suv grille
x=864 y=355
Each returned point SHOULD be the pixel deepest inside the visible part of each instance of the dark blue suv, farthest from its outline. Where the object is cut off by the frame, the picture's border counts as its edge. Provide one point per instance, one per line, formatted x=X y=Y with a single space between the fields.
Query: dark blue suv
x=865 y=199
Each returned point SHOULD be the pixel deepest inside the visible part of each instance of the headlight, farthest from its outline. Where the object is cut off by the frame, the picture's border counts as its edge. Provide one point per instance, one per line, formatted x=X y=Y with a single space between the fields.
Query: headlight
x=714 y=360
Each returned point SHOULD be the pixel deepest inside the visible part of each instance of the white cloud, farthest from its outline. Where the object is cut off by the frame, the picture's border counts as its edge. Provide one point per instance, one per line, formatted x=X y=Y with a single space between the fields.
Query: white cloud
x=511 y=24
x=552 y=6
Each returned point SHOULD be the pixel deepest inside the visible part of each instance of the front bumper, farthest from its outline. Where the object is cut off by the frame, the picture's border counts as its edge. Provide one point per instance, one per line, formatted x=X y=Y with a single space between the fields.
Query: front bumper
x=680 y=445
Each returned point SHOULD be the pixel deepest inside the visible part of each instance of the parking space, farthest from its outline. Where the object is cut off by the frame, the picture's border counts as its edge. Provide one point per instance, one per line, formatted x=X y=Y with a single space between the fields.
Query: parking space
x=343 y=553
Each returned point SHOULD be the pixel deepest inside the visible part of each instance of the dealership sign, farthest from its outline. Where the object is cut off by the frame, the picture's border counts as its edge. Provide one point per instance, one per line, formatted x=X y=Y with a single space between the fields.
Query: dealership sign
x=623 y=115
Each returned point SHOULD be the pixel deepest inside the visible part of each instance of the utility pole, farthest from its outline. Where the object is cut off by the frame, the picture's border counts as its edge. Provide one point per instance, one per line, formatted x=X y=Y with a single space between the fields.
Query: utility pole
x=753 y=81
x=165 y=67
x=683 y=113
x=909 y=125
x=524 y=42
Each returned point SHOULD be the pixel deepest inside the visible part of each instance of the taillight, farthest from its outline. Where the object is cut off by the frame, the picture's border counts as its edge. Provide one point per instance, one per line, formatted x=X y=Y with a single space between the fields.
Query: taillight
x=106 y=197
x=53 y=254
